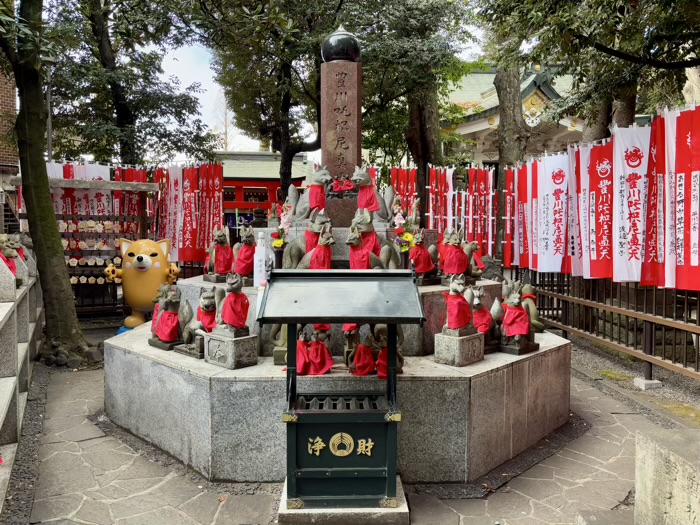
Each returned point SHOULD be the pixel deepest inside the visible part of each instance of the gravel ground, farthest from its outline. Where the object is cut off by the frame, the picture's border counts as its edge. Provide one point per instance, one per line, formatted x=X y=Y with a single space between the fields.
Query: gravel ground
x=20 y=492
x=676 y=388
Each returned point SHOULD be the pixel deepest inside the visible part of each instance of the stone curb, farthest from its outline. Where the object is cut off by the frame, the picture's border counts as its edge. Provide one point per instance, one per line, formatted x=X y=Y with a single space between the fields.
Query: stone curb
x=629 y=397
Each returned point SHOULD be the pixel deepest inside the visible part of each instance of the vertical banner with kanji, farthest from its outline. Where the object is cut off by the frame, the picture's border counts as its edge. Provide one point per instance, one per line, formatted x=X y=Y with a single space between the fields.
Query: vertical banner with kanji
x=471 y=204
x=631 y=155
x=670 y=124
x=653 y=262
x=587 y=229
x=509 y=217
x=533 y=218
x=523 y=224
x=552 y=183
x=432 y=196
x=573 y=262
x=600 y=210
x=449 y=199
x=187 y=251
x=687 y=200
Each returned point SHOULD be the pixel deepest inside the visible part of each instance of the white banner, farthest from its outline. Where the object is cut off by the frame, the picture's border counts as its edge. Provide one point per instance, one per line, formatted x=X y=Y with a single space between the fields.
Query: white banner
x=587 y=230
x=553 y=178
x=574 y=232
x=630 y=159
x=451 y=221
x=669 y=190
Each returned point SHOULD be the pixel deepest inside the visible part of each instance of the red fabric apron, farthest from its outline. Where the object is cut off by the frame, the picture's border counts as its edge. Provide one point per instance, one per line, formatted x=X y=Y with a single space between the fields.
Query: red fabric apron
x=20 y=252
x=456 y=261
x=350 y=327
x=459 y=313
x=154 y=318
x=348 y=185
x=321 y=258
x=383 y=364
x=11 y=263
x=244 y=263
x=208 y=319
x=311 y=240
x=515 y=321
x=529 y=296
x=479 y=263
x=167 y=327
x=420 y=256
x=223 y=259
x=367 y=198
x=235 y=310
x=320 y=358
x=482 y=320
x=322 y=327
x=371 y=242
x=303 y=363
x=317 y=197
x=338 y=186
x=364 y=361
x=359 y=258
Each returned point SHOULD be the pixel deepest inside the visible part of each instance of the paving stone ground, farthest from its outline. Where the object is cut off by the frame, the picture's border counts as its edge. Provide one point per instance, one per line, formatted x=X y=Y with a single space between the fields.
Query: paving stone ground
x=86 y=477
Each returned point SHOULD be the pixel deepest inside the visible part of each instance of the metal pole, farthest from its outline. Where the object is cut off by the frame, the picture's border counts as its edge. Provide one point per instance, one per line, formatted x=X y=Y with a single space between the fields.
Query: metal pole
x=649 y=341
x=49 y=130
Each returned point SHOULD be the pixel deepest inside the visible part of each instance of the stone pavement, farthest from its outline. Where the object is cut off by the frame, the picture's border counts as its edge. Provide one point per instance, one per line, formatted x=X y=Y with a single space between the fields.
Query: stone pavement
x=89 y=478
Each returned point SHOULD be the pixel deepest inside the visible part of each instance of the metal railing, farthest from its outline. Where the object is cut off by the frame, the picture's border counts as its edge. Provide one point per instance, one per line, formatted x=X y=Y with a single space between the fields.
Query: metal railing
x=658 y=326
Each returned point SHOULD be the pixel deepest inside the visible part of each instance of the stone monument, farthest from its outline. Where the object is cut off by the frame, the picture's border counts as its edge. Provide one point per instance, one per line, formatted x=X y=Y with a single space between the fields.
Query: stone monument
x=341 y=116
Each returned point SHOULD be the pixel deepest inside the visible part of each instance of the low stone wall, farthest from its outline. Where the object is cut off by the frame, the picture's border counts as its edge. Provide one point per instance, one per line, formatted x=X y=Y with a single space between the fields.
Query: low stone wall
x=667 y=477
x=458 y=423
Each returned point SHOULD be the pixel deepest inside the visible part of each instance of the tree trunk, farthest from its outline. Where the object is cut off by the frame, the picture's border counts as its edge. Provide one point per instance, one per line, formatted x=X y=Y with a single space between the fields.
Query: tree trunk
x=423 y=136
x=625 y=105
x=63 y=333
x=598 y=125
x=126 y=121
x=513 y=134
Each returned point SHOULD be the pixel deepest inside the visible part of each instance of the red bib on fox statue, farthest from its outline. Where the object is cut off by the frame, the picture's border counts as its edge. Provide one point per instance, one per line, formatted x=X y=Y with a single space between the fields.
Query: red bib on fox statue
x=515 y=321
x=321 y=258
x=367 y=198
x=456 y=261
x=235 y=310
x=348 y=185
x=244 y=263
x=370 y=240
x=208 y=319
x=223 y=259
x=320 y=358
x=383 y=364
x=20 y=252
x=303 y=363
x=338 y=186
x=420 y=256
x=167 y=326
x=350 y=327
x=459 y=313
x=359 y=258
x=364 y=361
x=11 y=263
x=317 y=196
x=482 y=320
x=311 y=240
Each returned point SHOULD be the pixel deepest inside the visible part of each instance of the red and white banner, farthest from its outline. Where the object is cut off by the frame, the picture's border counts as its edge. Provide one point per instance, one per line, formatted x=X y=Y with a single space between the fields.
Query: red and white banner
x=653 y=263
x=670 y=123
x=552 y=190
x=574 y=256
x=631 y=155
x=600 y=210
x=532 y=218
x=587 y=229
x=509 y=200
x=523 y=225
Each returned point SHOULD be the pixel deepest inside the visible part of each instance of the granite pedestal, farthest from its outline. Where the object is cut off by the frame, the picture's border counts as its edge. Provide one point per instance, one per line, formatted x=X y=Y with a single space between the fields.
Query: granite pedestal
x=459 y=351
x=457 y=423
x=230 y=352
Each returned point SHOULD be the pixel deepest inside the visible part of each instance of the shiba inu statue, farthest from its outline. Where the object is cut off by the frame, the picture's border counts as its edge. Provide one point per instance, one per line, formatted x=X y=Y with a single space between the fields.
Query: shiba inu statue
x=145 y=267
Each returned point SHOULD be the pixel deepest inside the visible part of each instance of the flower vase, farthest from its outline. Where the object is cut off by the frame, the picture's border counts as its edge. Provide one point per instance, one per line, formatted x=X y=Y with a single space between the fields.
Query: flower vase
x=279 y=252
x=405 y=263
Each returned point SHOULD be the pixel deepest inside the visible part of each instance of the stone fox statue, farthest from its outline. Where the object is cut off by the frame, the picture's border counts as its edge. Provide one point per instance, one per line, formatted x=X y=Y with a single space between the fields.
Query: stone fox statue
x=220 y=254
x=320 y=258
x=294 y=251
x=386 y=251
x=528 y=300
x=173 y=316
x=368 y=198
x=205 y=320
x=360 y=257
x=244 y=252
x=313 y=198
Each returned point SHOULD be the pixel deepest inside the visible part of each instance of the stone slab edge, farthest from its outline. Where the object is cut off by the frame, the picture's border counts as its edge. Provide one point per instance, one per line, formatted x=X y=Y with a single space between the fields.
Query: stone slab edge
x=605 y=517
x=376 y=516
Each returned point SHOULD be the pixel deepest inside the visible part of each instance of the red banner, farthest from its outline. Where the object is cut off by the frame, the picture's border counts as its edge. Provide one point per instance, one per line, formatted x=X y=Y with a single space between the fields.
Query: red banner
x=510 y=206
x=600 y=172
x=523 y=222
x=652 y=265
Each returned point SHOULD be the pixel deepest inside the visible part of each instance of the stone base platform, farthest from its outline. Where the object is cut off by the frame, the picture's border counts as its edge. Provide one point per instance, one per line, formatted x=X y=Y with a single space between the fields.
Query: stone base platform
x=457 y=423
x=606 y=517
x=379 y=516
x=417 y=340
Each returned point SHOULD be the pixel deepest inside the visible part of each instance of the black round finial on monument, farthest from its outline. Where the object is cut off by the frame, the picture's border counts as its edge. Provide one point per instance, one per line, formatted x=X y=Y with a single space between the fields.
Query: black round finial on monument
x=340 y=45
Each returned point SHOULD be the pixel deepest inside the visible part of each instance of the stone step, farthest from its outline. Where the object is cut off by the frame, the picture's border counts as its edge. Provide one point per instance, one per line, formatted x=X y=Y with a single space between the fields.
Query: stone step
x=8 y=410
x=428 y=510
x=22 y=405
x=22 y=349
x=7 y=453
x=606 y=517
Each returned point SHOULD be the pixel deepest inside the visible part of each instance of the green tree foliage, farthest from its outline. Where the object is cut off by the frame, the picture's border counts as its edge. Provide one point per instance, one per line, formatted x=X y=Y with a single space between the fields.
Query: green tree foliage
x=611 y=47
x=108 y=92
